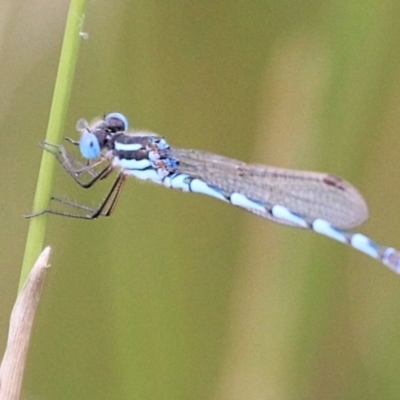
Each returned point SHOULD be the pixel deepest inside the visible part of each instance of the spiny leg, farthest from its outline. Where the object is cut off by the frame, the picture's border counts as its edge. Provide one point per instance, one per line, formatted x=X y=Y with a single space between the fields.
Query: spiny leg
x=119 y=183
x=64 y=158
x=75 y=168
x=105 y=209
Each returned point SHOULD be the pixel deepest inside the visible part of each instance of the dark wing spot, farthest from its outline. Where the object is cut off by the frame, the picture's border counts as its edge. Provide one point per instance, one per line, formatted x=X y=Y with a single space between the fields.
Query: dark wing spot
x=334 y=181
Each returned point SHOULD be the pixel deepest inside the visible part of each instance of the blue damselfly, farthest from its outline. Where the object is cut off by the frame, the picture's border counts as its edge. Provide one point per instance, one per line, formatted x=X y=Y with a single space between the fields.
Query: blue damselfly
x=321 y=202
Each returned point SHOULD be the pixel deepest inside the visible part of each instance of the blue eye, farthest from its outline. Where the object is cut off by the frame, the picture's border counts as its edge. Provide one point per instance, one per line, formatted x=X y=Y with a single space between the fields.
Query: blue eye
x=117 y=120
x=89 y=146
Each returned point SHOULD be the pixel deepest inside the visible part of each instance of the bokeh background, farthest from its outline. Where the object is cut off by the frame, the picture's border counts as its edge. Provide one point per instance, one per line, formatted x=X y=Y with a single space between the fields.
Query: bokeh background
x=179 y=296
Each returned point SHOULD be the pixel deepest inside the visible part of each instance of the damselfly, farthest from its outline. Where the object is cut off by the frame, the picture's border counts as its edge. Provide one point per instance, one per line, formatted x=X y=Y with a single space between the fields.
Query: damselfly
x=324 y=203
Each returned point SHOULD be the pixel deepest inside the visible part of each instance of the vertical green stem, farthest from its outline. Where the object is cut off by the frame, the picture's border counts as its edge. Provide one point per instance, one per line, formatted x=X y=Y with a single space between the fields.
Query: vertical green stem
x=62 y=91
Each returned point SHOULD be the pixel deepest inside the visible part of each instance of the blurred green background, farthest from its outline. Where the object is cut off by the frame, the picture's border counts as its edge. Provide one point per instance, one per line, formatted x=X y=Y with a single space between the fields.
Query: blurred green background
x=179 y=296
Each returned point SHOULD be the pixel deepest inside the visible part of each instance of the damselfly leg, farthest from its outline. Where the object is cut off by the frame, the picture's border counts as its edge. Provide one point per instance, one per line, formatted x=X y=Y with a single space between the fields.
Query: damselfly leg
x=77 y=170
x=105 y=209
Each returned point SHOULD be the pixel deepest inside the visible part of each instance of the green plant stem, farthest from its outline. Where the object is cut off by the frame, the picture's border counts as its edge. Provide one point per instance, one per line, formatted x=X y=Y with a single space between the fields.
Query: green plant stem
x=61 y=96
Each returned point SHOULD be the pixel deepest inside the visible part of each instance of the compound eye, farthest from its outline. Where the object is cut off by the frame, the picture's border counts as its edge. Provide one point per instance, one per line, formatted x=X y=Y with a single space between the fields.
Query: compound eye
x=116 y=122
x=89 y=146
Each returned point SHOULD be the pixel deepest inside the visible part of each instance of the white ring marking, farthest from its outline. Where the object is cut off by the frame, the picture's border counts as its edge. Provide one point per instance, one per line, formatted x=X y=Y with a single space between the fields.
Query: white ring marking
x=199 y=186
x=238 y=199
x=364 y=244
x=284 y=213
x=325 y=228
x=147 y=174
x=178 y=182
x=127 y=146
x=133 y=165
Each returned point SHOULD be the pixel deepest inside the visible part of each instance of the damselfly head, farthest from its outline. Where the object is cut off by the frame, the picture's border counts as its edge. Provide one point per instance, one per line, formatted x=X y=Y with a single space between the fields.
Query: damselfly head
x=98 y=136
